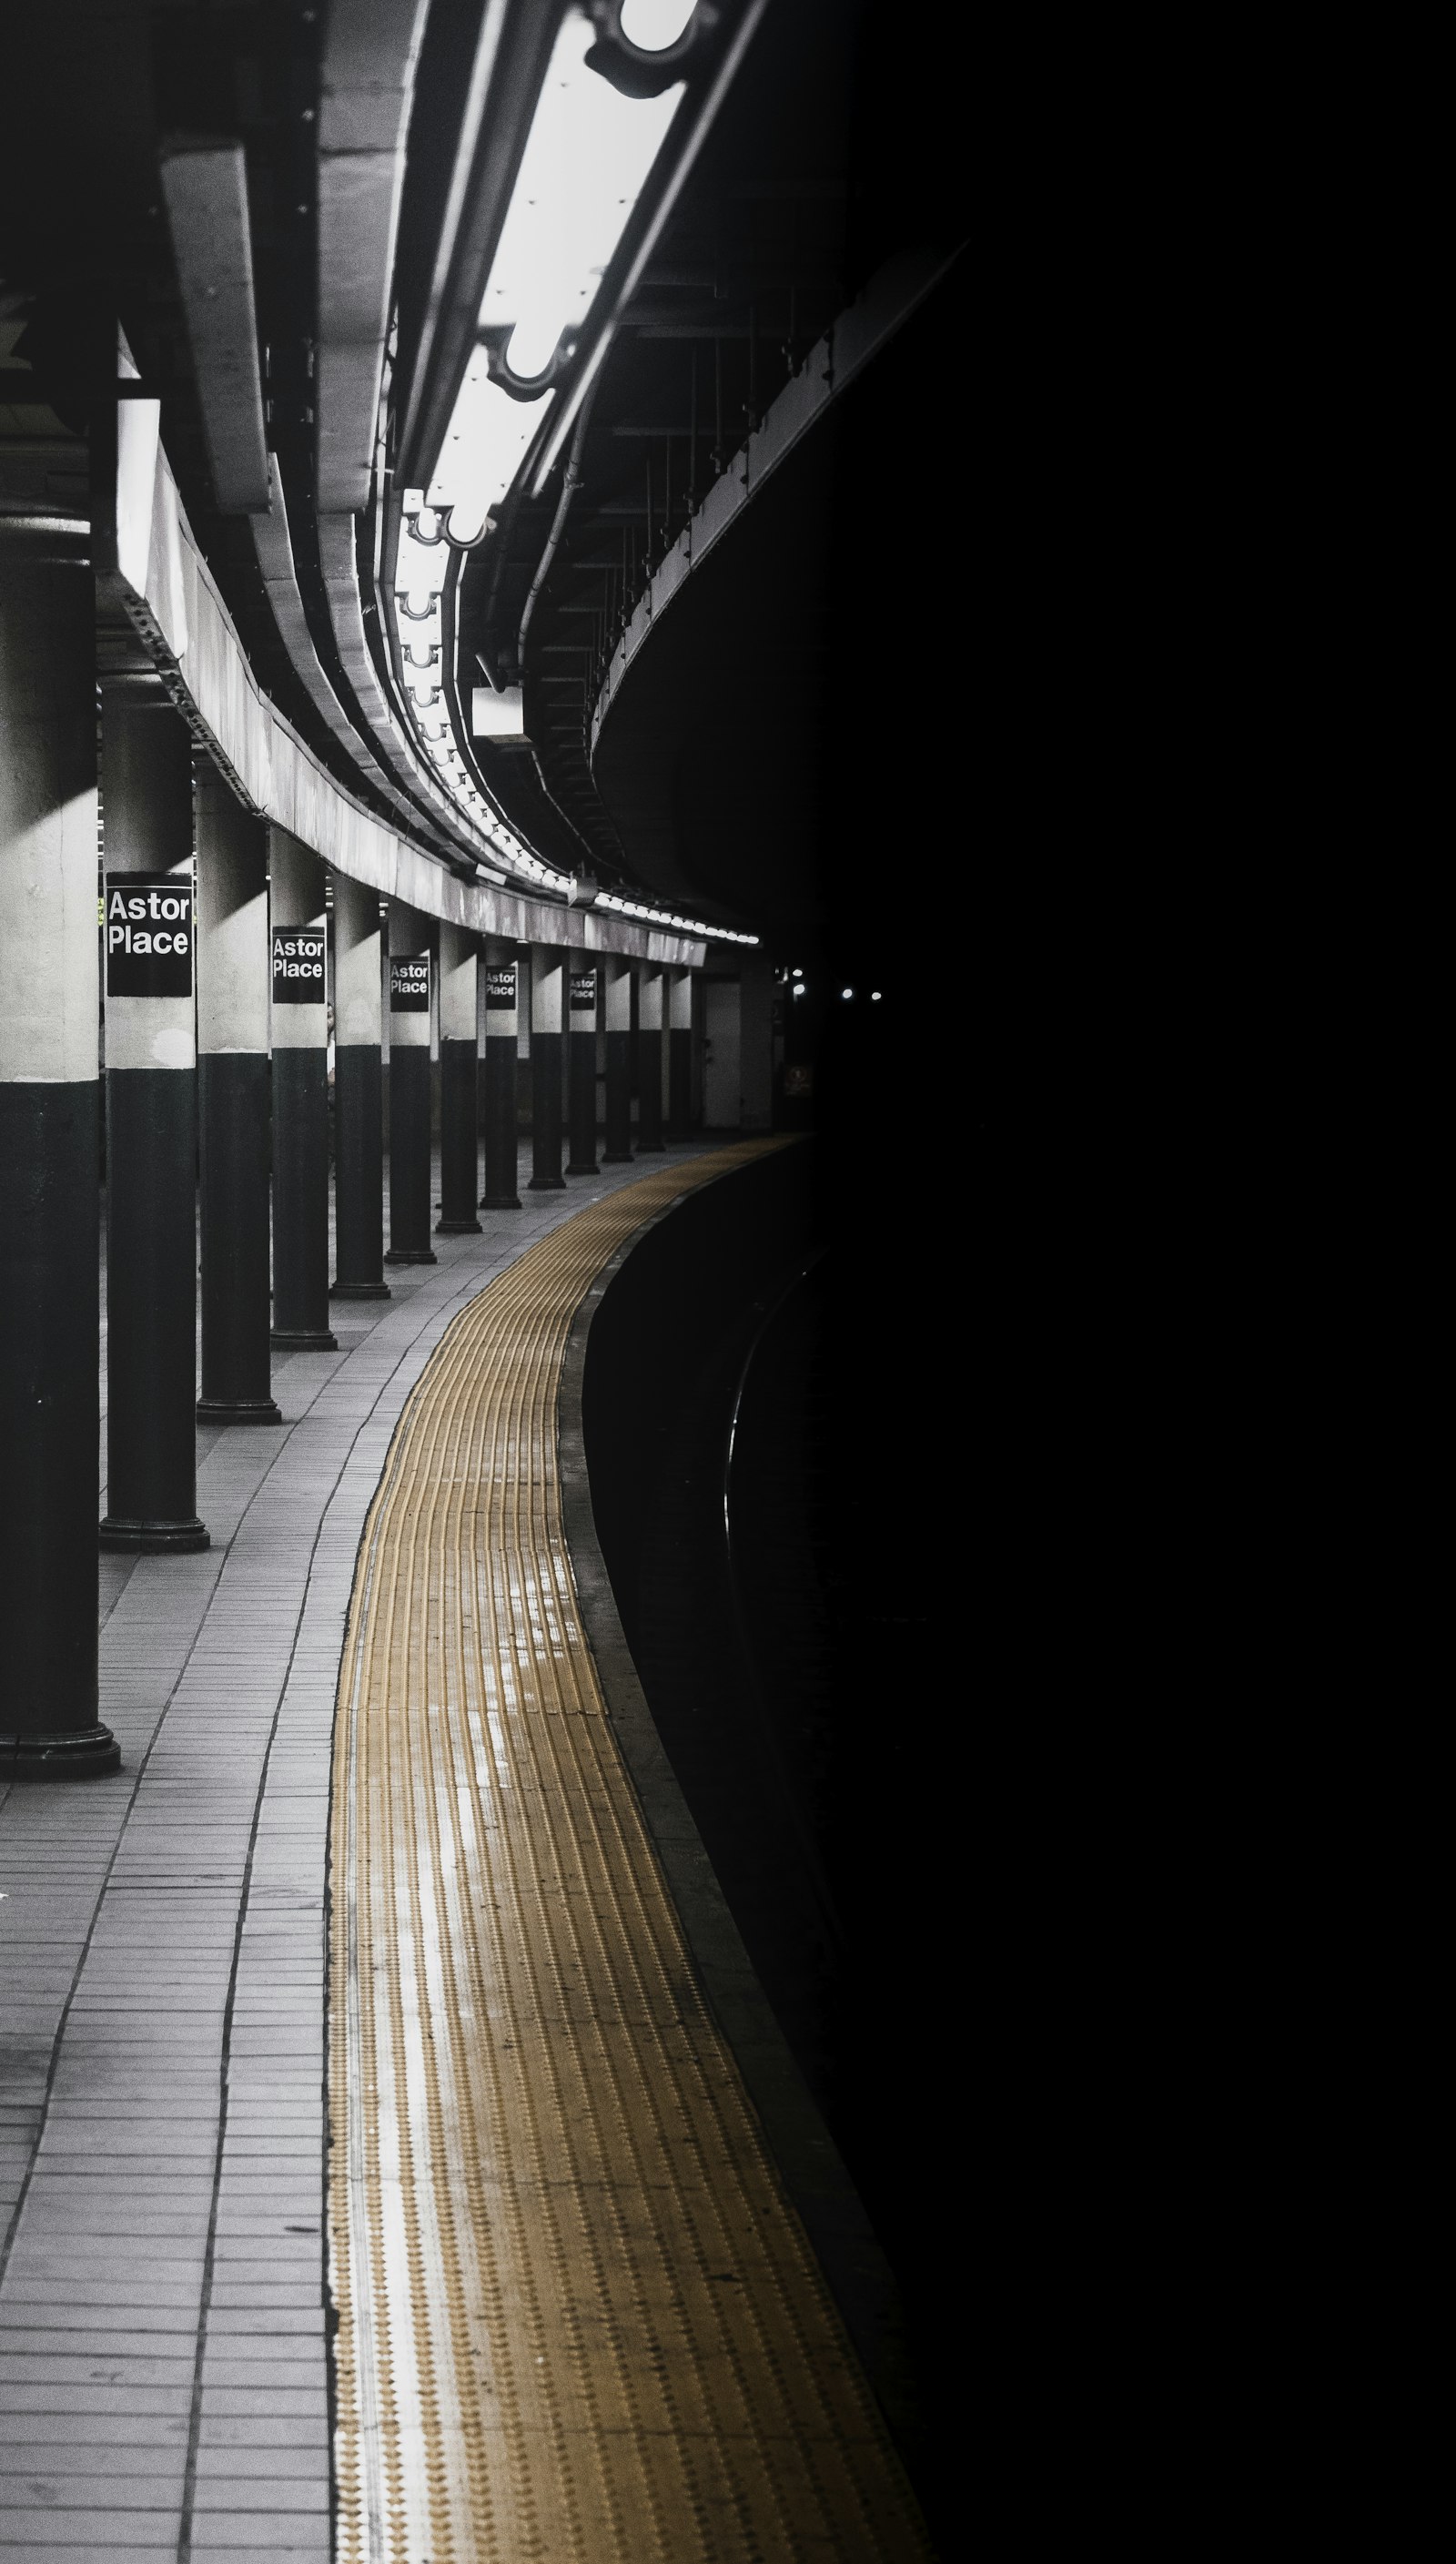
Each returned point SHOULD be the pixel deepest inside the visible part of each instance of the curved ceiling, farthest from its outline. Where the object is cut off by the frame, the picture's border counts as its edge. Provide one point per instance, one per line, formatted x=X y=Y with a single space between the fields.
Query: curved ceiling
x=830 y=147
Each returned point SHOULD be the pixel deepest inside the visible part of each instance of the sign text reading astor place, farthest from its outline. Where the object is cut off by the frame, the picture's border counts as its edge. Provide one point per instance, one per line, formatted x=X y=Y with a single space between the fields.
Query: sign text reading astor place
x=500 y=988
x=150 y=936
x=409 y=983
x=583 y=991
x=298 y=965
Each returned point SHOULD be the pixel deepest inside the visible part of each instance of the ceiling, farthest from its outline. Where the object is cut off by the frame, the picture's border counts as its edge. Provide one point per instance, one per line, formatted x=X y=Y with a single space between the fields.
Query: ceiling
x=780 y=739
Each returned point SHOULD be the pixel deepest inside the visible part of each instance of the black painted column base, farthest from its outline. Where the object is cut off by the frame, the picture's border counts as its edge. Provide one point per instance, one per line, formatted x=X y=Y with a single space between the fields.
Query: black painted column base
x=153 y=1537
x=233 y=1108
x=301 y=1203
x=89 y=1755
x=581 y=1115
x=49 y=1415
x=618 y=1132
x=358 y=1173
x=409 y=1156
x=152 y=1423
x=679 y=1084
x=459 y=1146
x=503 y=1139
x=546 y=1114
x=649 y=1094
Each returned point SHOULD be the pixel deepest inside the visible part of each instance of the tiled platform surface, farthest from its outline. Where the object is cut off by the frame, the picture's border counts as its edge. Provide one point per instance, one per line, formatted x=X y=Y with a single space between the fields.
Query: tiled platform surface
x=163 y=2377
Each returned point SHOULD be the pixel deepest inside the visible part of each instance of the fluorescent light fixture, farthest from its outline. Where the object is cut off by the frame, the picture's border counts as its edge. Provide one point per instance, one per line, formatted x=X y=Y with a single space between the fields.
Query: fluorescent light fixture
x=653 y=25
x=497 y=716
x=587 y=159
x=488 y=433
x=419 y=577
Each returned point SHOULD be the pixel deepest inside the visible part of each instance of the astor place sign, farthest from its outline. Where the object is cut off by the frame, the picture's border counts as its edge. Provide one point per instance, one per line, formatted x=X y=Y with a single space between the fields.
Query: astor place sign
x=298 y=965
x=148 y=926
x=409 y=983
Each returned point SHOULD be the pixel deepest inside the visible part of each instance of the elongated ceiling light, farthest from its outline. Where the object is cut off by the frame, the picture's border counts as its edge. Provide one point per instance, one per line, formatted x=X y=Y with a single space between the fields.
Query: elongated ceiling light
x=586 y=160
x=653 y=25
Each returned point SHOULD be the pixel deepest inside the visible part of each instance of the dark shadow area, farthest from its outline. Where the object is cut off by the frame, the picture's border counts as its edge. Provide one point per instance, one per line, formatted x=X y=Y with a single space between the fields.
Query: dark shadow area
x=786 y=1640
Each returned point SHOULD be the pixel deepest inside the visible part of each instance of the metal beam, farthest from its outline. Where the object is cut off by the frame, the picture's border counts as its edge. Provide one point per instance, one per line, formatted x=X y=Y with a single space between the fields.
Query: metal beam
x=366 y=86
x=205 y=185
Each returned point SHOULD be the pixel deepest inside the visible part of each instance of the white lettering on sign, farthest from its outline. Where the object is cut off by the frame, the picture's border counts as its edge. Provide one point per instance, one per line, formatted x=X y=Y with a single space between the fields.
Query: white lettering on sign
x=139 y=904
x=148 y=924
x=298 y=965
x=409 y=983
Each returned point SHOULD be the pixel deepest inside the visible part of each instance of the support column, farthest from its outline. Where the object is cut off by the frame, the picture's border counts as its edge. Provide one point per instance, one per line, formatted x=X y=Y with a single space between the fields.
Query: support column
x=409 y=1088
x=503 y=982
x=618 y=973
x=300 y=1100
x=582 y=1071
x=232 y=1105
x=547 y=971
x=649 y=1061
x=459 y=1106
x=680 y=1055
x=151 y=1125
x=50 y=1113
x=358 y=1128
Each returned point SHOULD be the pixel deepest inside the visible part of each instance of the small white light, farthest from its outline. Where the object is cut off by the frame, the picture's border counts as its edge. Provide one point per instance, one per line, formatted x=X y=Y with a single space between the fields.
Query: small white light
x=653 y=25
x=798 y=993
x=874 y=997
x=798 y=974
x=846 y=993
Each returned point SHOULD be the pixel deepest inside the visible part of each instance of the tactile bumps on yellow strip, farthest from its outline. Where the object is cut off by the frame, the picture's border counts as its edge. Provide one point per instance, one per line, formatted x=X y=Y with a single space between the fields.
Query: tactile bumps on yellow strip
x=577 y=2316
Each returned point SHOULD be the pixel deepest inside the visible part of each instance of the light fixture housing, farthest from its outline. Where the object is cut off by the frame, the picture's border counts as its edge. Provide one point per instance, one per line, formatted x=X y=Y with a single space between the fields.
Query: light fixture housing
x=592 y=144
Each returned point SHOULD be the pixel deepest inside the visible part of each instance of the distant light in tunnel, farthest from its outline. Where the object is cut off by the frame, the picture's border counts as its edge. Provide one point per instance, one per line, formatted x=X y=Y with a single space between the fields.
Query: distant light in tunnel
x=874 y=997
x=846 y=993
x=800 y=990
x=797 y=974
x=653 y=25
x=586 y=157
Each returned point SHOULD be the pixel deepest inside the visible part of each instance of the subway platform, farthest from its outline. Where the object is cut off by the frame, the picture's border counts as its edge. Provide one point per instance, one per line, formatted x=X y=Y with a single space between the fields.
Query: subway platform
x=399 y=2159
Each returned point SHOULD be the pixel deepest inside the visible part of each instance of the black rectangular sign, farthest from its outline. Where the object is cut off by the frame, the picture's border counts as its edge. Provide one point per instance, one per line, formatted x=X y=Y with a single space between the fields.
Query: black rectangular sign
x=149 y=935
x=500 y=988
x=409 y=983
x=583 y=991
x=298 y=965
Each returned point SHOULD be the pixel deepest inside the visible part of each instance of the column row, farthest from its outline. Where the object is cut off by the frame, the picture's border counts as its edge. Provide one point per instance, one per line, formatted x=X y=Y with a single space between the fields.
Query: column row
x=206 y=1106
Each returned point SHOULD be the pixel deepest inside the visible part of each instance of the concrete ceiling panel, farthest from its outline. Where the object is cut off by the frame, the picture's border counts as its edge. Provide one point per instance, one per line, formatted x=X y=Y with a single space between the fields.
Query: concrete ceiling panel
x=206 y=190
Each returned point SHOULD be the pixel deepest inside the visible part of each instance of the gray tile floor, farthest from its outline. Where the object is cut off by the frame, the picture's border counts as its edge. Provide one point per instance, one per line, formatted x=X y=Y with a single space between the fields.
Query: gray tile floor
x=163 y=2372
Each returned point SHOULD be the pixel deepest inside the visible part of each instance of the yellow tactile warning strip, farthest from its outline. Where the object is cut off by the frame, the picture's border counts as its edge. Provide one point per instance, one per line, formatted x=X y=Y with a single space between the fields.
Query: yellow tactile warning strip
x=576 y=2315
